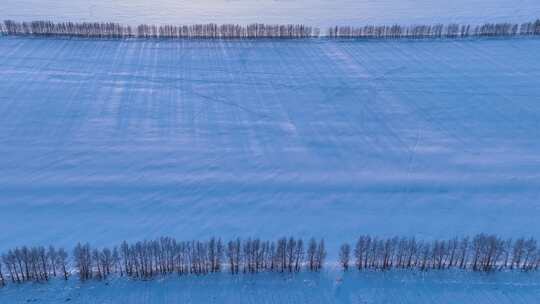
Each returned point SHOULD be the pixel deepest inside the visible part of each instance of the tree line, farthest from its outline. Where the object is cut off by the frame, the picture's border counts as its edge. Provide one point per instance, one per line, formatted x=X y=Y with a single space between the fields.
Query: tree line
x=150 y=258
x=34 y=264
x=436 y=31
x=147 y=259
x=115 y=30
x=251 y=31
x=482 y=252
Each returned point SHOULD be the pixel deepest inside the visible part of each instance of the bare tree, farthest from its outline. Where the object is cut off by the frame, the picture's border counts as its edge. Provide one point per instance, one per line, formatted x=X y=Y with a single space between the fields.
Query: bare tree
x=344 y=256
x=2 y=281
x=311 y=254
x=53 y=259
x=320 y=255
x=62 y=262
x=83 y=261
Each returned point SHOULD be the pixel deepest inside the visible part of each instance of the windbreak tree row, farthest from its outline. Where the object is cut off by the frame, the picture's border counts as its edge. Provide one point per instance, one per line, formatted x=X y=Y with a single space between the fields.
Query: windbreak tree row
x=115 y=30
x=151 y=258
x=33 y=264
x=436 y=31
x=147 y=259
x=253 y=31
x=481 y=253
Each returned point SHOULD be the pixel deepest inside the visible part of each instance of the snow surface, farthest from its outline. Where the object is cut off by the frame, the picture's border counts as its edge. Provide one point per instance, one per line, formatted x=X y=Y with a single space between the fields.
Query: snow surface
x=103 y=141
x=322 y=13
x=331 y=287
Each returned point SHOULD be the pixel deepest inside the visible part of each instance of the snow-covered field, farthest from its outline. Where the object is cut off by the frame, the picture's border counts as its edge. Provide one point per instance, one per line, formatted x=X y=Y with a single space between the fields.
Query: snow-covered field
x=102 y=141
x=322 y=13
x=332 y=287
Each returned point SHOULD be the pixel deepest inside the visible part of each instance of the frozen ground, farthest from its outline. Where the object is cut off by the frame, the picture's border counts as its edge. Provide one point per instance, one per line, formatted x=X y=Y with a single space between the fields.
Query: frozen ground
x=322 y=13
x=353 y=287
x=108 y=140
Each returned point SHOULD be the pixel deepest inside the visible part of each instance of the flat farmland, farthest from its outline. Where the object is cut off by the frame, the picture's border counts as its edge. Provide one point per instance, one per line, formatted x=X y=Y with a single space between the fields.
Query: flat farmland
x=103 y=141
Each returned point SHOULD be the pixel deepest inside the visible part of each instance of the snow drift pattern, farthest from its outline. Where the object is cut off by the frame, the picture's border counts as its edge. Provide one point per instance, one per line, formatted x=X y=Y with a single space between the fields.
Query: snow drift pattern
x=214 y=31
x=147 y=259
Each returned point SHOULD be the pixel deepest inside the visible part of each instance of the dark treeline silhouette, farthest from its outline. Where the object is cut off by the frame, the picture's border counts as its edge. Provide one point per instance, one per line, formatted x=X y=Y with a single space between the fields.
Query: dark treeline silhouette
x=147 y=259
x=435 y=31
x=34 y=264
x=151 y=258
x=480 y=253
x=115 y=30
x=214 y=31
